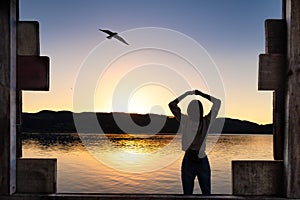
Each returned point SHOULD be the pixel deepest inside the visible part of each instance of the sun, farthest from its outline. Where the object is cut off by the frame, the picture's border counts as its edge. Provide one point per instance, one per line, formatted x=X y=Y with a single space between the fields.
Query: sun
x=150 y=98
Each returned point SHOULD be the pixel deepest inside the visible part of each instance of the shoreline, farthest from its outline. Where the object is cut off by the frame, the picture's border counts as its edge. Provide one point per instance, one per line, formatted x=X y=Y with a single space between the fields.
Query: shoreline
x=150 y=134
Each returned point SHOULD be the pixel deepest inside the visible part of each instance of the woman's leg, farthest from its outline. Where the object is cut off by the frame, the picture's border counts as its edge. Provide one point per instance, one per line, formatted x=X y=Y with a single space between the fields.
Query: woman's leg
x=188 y=175
x=204 y=176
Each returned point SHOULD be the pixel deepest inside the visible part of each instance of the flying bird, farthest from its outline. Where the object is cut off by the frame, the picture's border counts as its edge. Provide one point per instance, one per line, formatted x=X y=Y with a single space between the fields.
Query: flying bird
x=113 y=35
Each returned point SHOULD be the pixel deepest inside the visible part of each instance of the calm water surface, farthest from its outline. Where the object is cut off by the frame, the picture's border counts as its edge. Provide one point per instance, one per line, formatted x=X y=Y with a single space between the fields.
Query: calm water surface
x=138 y=164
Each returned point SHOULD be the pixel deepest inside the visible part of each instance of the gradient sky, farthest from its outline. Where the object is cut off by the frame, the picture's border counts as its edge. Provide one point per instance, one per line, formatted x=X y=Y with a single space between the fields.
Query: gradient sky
x=231 y=31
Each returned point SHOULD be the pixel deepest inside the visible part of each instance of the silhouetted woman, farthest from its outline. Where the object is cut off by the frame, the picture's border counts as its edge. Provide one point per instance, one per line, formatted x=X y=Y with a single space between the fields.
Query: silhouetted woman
x=194 y=132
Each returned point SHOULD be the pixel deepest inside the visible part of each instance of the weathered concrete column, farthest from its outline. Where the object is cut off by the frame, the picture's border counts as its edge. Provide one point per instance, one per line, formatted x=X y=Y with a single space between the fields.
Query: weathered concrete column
x=292 y=128
x=8 y=18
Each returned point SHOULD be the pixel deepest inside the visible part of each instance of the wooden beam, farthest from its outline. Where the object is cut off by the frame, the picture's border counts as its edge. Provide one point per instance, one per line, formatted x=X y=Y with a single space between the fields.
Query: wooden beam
x=8 y=18
x=28 y=44
x=275 y=33
x=276 y=43
x=36 y=175
x=271 y=71
x=278 y=123
x=28 y=41
x=19 y=124
x=33 y=73
x=257 y=177
x=292 y=145
x=133 y=196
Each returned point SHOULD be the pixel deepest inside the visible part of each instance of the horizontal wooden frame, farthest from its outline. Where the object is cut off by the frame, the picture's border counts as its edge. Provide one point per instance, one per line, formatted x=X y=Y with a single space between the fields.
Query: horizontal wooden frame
x=33 y=73
x=262 y=177
x=36 y=175
x=271 y=73
x=28 y=39
x=275 y=36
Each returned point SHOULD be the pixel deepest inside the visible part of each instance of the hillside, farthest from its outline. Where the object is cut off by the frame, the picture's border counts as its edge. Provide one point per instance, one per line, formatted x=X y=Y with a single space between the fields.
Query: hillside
x=63 y=122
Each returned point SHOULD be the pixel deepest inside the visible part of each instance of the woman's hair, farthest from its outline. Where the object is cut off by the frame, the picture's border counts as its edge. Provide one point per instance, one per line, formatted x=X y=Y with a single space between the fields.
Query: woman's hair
x=195 y=110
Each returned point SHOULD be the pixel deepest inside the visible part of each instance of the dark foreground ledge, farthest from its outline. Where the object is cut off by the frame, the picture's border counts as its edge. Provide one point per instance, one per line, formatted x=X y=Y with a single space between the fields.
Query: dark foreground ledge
x=88 y=196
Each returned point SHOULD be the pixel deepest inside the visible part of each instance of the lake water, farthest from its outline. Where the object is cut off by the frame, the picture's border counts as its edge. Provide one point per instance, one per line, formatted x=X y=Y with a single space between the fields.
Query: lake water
x=114 y=163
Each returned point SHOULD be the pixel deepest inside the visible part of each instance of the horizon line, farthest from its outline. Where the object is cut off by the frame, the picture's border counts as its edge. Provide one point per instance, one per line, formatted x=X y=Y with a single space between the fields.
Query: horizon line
x=133 y=114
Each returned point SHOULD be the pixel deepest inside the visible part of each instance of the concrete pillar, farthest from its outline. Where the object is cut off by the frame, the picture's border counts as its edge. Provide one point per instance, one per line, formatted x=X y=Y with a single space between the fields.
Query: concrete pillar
x=292 y=126
x=8 y=19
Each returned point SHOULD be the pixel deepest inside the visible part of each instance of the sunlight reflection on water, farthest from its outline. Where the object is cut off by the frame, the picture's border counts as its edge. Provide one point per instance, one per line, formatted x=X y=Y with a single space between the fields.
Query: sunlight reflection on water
x=134 y=154
x=78 y=171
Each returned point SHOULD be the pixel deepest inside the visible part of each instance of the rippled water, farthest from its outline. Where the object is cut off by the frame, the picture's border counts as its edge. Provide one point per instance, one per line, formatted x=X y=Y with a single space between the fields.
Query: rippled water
x=138 y=164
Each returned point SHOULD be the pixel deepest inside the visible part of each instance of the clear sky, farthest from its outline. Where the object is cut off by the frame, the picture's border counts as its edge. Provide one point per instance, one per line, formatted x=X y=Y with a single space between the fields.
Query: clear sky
x=231 y=31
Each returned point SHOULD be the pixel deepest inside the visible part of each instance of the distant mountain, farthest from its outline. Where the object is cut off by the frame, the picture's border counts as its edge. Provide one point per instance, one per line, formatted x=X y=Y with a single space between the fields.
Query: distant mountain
x=235 y=126
x=63 y=122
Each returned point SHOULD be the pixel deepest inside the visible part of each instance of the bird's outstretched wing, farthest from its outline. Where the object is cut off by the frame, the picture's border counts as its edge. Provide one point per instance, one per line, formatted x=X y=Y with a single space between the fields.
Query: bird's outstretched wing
x=113 y=34
x=107 y=31
x=120 y=38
